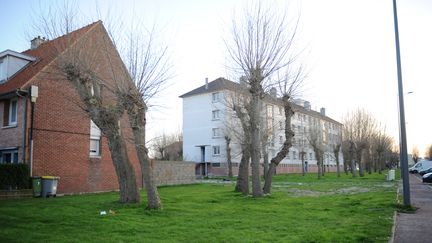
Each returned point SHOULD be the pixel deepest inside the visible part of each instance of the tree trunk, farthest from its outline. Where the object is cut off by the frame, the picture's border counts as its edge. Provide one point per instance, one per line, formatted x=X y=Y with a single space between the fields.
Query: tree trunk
x=319 y=168
x=303 y=162
x=255 y=143
x=136 y=110
x=228 y=153
x=353 y=166
x=268 y=180
x=242 y=184
x=345 y=166
x=360 y=162
x=379 y=163
x=265 y=162
x=337 y=165
x=289 y=134
x=129 y=192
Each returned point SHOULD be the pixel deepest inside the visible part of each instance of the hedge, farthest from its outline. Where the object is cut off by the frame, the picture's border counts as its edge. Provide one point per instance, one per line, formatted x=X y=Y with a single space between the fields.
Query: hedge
x=14 y=176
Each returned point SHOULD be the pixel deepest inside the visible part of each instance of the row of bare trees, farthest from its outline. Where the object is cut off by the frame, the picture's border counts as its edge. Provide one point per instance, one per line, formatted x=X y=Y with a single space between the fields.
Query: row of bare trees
x=366 y=144
x=416 y=153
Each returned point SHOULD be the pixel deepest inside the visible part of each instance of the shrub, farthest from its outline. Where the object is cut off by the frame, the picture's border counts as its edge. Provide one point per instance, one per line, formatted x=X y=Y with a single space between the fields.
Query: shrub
x=15 y=176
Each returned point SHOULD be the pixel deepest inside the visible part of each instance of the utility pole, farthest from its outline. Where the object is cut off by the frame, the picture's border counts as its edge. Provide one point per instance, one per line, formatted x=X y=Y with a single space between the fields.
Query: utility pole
x=403 y=154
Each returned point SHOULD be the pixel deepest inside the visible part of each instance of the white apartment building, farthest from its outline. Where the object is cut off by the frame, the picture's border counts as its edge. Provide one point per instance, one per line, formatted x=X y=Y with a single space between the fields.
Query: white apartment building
x=207 y=119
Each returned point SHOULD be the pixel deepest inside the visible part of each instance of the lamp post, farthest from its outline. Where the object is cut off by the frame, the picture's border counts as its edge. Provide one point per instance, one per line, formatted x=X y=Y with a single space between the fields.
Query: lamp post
x=403 y=155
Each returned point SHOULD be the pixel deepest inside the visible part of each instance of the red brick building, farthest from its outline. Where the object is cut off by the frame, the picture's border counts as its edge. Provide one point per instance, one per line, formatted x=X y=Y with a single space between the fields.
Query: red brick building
x=42 y=121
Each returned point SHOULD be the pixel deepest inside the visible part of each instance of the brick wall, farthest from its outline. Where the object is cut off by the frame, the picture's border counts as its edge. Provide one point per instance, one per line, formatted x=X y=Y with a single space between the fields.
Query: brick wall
x=173 y=172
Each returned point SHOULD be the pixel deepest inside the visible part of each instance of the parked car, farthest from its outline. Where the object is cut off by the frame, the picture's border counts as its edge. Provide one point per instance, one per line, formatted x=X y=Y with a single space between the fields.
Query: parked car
x=421 y=165
x=427 y=177
x=424 y=172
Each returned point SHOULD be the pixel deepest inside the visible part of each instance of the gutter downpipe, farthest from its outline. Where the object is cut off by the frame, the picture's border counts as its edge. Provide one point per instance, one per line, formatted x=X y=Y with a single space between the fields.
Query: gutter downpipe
x=24 y=94
x=31 y=136
x=25 y=132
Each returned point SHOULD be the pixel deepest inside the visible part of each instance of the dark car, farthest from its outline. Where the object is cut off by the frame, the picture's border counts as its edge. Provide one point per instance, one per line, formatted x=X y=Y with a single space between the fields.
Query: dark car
x=427 y=177
x=424 y=172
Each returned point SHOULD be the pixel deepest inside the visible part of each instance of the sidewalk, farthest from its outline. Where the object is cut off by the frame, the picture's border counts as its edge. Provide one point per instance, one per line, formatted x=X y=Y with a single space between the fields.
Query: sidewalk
x=416 y=227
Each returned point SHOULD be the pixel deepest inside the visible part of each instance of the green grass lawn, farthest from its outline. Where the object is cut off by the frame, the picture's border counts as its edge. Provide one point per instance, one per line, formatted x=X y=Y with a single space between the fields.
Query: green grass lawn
x=301 y=209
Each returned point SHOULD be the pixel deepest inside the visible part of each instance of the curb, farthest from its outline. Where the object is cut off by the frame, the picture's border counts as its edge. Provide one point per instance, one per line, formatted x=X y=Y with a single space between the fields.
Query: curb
x=391 y=240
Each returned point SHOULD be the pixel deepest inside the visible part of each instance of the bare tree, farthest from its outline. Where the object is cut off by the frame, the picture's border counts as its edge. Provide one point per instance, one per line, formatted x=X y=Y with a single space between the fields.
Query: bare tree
x=415 y=154
x=288 y=86
x=336 y=151
x=381 y=147
x=315 y=139
x=260 y=46
x=168 y=146
x=146 y=74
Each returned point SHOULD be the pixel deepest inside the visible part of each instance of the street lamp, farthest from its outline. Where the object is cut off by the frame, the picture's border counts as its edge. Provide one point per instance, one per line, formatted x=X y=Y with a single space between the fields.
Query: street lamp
x=403 y=155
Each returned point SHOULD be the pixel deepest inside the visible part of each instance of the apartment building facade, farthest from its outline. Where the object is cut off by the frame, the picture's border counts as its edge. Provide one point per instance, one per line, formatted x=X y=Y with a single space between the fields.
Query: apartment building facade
x=208 y=119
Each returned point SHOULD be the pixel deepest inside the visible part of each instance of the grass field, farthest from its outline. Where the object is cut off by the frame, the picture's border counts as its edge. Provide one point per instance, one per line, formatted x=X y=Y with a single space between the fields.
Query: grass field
x=300 y=209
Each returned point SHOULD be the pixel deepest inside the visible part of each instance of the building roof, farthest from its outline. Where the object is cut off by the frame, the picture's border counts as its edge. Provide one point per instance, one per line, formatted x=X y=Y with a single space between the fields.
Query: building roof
x=215 y=85
x=224 y=84
x=45 y=53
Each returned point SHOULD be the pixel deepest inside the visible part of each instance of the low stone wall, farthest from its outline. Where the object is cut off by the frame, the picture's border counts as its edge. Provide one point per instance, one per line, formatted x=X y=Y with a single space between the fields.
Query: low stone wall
x=173 y=172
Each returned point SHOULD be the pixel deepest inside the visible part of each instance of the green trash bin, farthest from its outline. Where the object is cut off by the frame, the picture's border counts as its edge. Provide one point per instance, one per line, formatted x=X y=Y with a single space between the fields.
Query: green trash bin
x=37 y=186
x=49 y=186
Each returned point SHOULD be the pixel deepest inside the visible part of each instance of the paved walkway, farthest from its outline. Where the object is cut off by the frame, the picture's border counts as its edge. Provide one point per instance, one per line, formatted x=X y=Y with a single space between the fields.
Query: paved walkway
x=413 y=228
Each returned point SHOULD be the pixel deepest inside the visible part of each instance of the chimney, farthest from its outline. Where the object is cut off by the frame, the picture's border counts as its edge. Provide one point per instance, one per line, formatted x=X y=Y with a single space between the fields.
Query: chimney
x=243 y=81
x=273 y=92
x=307 y=105
x=35 y=43
x=322 y=111
x=206 y=83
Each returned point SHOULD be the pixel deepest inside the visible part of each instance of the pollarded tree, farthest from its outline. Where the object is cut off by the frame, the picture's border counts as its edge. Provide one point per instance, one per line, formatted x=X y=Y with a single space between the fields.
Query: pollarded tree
x=316 y=141
x=260 y=46
x=289 y=86
x=144 y=75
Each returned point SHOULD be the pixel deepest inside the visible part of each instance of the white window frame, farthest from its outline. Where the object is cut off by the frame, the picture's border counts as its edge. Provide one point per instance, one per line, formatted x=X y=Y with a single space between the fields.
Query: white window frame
x=216 y=150
x=216 y=132
x=95 y=137
x=10 y=122
x=215 y=97
x=13 y=154
x=215 y=114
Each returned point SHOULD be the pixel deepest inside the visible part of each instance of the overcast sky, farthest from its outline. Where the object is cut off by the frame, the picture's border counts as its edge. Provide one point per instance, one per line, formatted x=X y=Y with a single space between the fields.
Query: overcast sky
x=350 y=52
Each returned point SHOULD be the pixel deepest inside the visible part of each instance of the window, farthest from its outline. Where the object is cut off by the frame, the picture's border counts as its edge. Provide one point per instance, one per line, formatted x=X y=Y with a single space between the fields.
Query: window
x=294 y=155
x=216 y=165
x=281 y=140
x=215 y=115
x=2 y=72
x=269 y=111
x=10 y=113
x=8 y=156
x=216 y=97
x=95 y=138
x=216 y=150
x=280 y=110
x=216 y=132
x=281 y=125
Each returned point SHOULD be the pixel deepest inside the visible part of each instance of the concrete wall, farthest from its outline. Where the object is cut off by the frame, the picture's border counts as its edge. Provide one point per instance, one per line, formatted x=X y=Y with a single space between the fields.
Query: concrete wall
x=198 y=123
x=173 y=172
